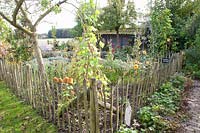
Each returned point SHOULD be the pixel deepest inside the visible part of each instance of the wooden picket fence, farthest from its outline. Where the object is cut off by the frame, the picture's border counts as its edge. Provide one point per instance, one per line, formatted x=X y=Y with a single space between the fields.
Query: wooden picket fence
x=83 y=110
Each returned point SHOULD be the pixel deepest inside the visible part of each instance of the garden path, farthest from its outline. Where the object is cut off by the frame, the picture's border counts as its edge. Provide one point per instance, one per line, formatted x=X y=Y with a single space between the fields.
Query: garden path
x=192 y=125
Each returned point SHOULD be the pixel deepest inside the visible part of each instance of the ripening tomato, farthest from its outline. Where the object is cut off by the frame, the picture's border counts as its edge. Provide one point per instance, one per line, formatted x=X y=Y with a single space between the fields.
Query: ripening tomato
x=70 y=81
x=55 y=79
x=60 y=80
x=65 y=80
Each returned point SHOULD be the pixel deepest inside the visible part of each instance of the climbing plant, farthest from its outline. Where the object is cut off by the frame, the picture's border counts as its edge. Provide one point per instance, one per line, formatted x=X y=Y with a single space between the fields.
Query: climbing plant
x=162 y=30
x=85 y=63
x=4 y=31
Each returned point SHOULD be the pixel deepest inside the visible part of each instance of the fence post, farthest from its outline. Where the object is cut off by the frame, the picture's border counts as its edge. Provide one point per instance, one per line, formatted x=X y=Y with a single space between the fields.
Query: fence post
x=86 y=105
x=94 y=110
x=29 y=84
x=1 y=69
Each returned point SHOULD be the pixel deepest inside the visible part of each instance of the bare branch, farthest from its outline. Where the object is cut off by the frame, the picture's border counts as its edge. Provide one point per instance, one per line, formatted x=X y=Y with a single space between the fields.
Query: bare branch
x=73 y=5
x=16 y=11
x=77 y=12
x=26 y=17
x=16 y=25
x=47 y=12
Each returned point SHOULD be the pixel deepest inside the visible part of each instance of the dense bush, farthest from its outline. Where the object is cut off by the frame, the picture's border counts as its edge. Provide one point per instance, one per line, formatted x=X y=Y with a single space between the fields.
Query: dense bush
x=161 y=106
x=197 y=38
x=192 y=62
x=123 y=53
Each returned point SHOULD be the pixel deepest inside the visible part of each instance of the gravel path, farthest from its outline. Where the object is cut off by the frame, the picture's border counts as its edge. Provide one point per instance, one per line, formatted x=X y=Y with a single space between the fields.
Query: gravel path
x=193 y=102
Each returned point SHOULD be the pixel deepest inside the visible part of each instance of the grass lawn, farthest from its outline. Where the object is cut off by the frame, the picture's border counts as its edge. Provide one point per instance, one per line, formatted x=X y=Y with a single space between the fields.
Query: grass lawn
x=16 y=117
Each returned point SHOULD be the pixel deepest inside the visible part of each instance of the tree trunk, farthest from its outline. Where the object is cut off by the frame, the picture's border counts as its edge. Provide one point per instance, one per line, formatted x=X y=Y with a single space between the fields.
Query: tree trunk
x=38 y=55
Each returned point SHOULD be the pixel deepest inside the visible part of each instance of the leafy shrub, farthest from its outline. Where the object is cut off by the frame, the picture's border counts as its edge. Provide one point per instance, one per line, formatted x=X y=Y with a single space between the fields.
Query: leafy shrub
x=197 y=37
x=64 y=46
x=178 y=81
x=162 y=26
x=20 y=53
x=124 y=129
x=193 y=55
x=192 y=62
x=150 y=120
x=161 y=106
x=114 y=69
x=196 y=74
x=123 y=53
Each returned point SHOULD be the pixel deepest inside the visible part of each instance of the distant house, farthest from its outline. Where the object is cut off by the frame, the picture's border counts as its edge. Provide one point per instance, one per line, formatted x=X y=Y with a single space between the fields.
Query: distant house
x=125 y=38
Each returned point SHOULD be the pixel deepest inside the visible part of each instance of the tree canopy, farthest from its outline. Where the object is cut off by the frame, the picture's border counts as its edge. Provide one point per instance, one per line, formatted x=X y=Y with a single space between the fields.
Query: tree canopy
x=61 y=33
x=118 y=14
x=25 y=15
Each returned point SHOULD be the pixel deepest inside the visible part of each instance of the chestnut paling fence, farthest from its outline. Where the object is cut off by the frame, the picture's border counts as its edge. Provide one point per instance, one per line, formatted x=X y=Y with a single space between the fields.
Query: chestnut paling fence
x=86 y=109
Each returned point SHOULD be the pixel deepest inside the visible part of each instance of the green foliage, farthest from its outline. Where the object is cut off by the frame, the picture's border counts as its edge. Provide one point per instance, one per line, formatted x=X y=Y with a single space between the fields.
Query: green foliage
x=16 y=44
x=17 y=117
x=117 y=14
x=20 y=53
x=162 y=105
x=77 y=30
x=64 y=46
x=167 y=98
x=123 y=53
x=192 y=62
x=15 y=51
x=85 y=63
x=53 y=32
x=57 y=9
x=115 y=69
x=20 y=49
x=60 y=33
x=196 y=74
x=185 y=20
x=192 y=56
x=87 y=14
x=162 y=30
x=127 y=52
x=157 y=116
x=191 y=27
x=127 y=63
x=45 y=3
x=197 y=38
x=178 y=81
x=151 y=122
x=5 y=31
x=124 y=129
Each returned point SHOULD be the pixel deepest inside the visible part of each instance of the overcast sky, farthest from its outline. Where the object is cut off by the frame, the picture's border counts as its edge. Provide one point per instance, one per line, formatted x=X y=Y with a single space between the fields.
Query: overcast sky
x=66 y=19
